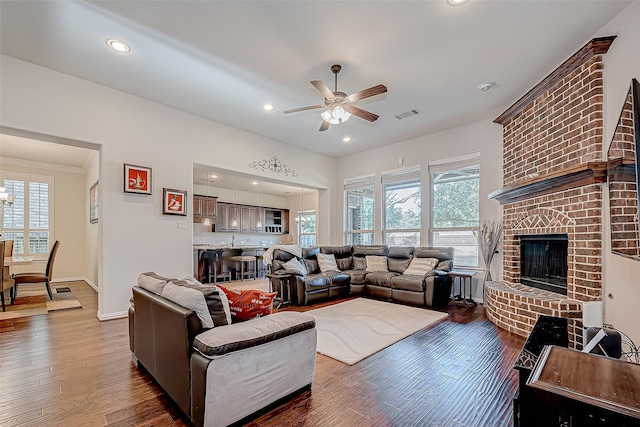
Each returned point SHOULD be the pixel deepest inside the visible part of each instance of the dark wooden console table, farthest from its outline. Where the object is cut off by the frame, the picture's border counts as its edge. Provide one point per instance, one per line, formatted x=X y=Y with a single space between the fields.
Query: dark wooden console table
x=571 y=388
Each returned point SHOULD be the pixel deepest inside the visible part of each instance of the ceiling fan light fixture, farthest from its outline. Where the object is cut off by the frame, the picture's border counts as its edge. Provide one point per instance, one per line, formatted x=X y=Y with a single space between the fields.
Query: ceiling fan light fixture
x=335 y=115
x=456 y=2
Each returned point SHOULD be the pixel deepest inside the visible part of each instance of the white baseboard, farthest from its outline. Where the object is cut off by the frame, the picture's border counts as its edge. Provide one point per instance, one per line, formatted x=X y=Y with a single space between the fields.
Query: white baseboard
x=111 y=316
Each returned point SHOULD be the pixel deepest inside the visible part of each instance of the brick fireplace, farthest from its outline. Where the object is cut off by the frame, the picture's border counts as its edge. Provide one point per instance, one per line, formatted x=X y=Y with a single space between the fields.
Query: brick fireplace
x=554 y=170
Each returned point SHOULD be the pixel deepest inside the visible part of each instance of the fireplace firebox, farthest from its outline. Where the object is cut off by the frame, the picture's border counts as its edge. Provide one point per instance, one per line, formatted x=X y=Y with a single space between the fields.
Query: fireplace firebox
x=543 y=262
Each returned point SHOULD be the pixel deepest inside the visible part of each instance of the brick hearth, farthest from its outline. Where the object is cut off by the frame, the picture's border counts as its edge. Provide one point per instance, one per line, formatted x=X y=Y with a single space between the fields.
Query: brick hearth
x=558 y=129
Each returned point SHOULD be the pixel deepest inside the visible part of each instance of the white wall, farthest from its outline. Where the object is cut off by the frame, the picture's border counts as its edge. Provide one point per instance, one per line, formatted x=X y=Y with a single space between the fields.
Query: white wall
x=621 y=294
x=484 y=137
x=70 y=214
x=92 y=245
x=135 y=236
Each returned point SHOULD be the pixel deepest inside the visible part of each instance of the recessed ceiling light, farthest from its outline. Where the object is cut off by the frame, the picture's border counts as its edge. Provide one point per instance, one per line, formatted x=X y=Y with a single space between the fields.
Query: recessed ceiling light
x=268 y=107
x=486 y=86
x=346 y=139
x=255 y=183
x=456 y=2
x=118 y=45
x=214 y=176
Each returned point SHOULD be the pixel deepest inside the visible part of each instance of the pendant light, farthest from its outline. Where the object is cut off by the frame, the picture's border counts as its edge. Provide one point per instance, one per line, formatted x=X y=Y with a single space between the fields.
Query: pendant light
x=234 y=221
x=207 y=221
x=259 y=223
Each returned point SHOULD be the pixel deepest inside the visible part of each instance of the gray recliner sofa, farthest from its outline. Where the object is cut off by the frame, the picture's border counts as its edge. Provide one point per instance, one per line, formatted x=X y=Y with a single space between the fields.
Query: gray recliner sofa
x=432 y=289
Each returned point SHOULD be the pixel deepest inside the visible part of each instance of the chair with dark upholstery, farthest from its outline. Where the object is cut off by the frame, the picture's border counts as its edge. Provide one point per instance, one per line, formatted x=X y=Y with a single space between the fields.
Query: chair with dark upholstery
x=6 y=283
x=45 y=277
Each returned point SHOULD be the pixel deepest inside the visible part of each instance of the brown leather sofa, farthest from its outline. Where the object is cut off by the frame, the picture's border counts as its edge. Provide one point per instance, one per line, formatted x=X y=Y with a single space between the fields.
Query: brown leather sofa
x=431 y=290
x=207 y=372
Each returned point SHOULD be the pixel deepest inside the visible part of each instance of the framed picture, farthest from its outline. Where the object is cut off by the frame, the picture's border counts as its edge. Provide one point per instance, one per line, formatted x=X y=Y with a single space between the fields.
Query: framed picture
x=137 y=179
x=174 y=202
x=93 y=203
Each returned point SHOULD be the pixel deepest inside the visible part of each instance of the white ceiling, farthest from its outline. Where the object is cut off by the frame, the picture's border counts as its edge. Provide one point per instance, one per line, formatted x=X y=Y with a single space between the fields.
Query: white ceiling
x=223 y=59
x=16 y=147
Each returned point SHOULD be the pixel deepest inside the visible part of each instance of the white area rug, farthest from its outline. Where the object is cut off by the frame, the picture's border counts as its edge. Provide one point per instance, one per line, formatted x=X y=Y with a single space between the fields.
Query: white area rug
x=355 y=329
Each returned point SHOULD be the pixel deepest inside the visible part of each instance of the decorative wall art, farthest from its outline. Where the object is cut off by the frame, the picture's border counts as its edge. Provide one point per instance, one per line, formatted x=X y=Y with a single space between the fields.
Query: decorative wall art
x=137 y=179
x=93 y=203
x=274 y=165
x=174 y=202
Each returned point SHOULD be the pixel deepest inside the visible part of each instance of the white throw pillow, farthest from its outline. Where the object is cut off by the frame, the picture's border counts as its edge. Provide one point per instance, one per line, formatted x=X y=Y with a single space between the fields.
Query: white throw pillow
x=327 y=262
x=295 y=265
x=191 y=299
x=192 y=280
x=420 y=266
x=376 y=263
x=152 y=282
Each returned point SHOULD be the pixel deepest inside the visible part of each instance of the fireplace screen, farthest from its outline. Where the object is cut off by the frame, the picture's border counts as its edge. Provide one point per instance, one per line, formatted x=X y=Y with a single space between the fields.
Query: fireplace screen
x=543 y=262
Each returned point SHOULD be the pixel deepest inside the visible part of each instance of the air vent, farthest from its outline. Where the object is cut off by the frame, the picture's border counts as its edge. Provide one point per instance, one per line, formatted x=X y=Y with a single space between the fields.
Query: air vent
x=407 y=114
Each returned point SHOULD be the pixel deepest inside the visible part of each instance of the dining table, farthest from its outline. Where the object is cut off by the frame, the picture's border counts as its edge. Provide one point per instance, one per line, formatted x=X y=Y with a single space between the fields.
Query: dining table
x=17 y=260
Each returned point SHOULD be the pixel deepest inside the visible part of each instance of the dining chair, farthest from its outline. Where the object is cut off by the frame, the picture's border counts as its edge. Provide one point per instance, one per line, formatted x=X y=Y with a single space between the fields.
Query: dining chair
x=6 y=283
x=45 y=277
x=8 y=248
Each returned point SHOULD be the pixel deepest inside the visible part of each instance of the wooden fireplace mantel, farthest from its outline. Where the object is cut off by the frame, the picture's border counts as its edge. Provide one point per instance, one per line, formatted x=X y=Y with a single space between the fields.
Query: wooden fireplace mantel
x=565 y=179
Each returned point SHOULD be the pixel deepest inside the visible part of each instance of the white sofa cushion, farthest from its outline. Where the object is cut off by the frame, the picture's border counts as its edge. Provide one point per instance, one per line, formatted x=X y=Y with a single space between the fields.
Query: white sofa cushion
x=376 y=263
x=191 y=299
x=327 y=262
x=296 y=266
x=420 y=266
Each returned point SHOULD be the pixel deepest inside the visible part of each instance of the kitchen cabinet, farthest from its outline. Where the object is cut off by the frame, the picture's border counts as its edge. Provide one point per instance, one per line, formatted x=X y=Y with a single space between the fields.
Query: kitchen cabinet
x=272 y=220
x=222 y=223
x=204 y=207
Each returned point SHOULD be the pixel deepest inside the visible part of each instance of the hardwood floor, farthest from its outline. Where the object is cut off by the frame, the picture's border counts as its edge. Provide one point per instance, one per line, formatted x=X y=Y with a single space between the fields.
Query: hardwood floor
x=68 y=369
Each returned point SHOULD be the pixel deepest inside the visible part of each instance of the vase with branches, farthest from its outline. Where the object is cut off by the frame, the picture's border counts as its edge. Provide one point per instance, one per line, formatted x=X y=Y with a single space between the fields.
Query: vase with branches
x=489 y=237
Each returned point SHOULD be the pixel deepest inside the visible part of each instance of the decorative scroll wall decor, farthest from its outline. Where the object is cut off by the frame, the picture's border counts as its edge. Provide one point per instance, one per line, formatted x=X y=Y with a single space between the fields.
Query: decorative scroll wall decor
x=274 y=165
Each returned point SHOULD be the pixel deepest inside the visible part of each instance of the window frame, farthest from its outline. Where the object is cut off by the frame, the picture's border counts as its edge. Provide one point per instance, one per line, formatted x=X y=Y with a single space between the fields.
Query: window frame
x=452 y=166
x=27 y=229
x=355 y=183
x=398 y=177
x=306 y=213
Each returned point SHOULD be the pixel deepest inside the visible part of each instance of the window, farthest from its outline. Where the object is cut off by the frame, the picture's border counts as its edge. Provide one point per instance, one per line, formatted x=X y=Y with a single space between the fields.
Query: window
x=306 y=228
x=455 y=187
x=360 y=203
x=29 y=220
x=403 y=207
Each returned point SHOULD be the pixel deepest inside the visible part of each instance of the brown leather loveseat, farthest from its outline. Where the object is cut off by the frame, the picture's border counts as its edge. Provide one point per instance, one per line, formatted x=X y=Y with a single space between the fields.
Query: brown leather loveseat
x=221 y=375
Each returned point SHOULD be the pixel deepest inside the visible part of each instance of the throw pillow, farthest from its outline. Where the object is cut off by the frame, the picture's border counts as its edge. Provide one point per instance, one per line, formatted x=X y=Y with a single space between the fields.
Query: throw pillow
x=152 y=282
x=191 y=299
x=295 y=266
x=359 y=263
x=376 y=263
x=420 y=266
x=192 y=280
x=247 y=304
x=214 y=302
x=327 y=262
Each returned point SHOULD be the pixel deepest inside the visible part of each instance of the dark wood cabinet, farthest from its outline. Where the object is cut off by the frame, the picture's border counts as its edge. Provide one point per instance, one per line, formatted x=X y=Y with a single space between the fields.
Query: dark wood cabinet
x=575 y=389
x=204 y=207
x=251 y=219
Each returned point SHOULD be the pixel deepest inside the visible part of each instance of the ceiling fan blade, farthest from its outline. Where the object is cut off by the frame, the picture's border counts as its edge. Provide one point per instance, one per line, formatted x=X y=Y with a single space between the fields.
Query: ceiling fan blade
x=324 y=126
x=324 y=90
x=366 y=93
x=363 y=114
x=311 y=107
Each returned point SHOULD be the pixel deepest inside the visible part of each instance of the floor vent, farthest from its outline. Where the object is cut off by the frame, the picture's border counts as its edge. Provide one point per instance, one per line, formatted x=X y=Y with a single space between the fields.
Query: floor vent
x=407 y=114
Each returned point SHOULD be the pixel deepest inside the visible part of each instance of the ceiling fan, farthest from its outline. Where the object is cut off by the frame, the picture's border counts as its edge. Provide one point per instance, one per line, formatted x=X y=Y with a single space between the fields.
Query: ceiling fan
x=339 y=104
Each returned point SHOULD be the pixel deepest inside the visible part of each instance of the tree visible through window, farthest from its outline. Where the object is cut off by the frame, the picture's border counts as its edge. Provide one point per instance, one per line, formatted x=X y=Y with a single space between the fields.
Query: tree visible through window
x=403 y=207
x=306 y=228
x=360 y=210
x=456 y=211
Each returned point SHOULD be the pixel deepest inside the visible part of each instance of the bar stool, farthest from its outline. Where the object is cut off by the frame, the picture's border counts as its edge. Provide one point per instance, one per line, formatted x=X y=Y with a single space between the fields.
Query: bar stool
x=211 y=262
x=245 y=259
